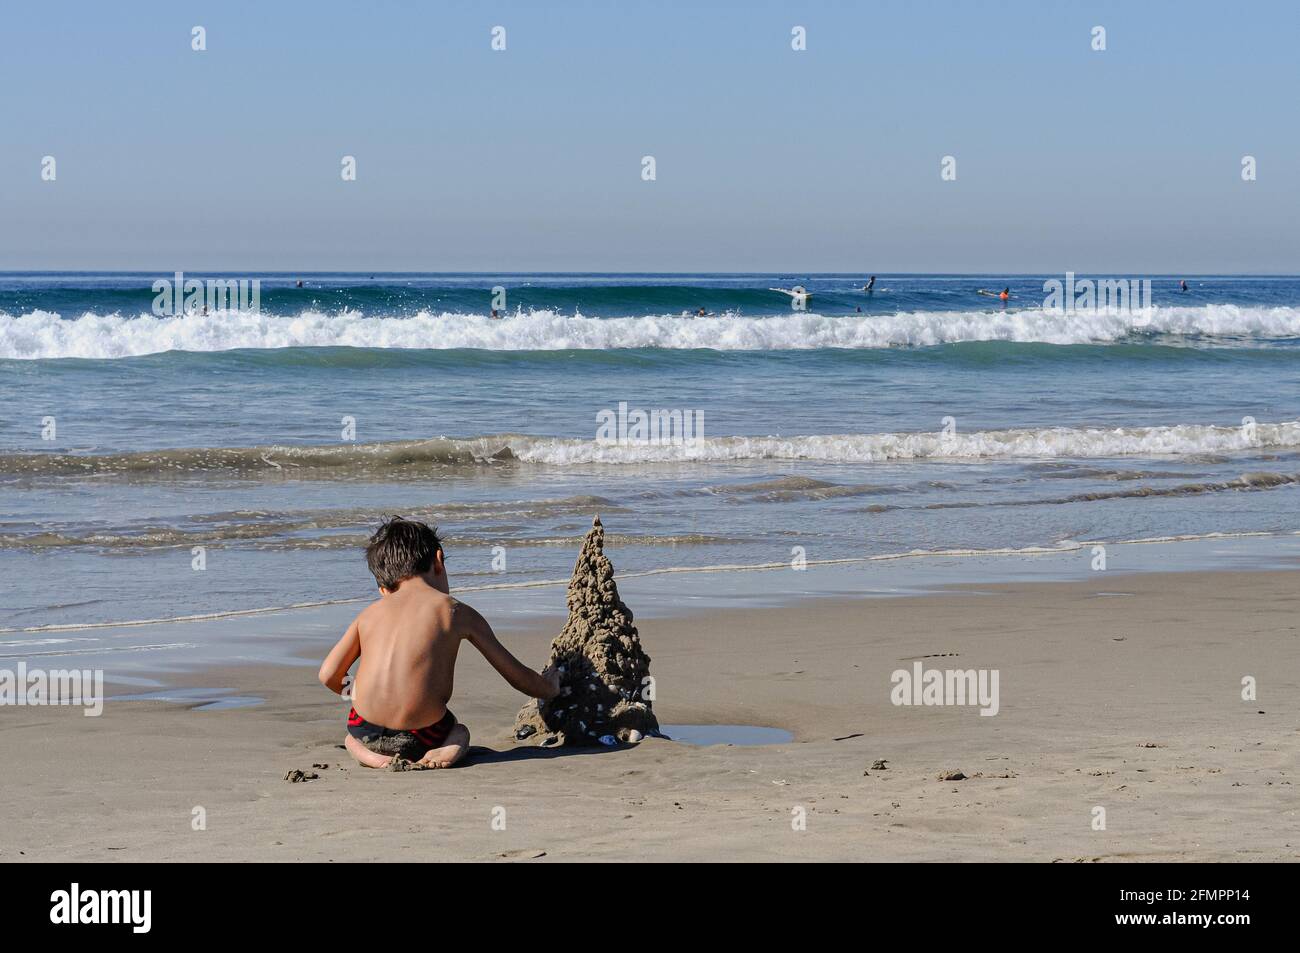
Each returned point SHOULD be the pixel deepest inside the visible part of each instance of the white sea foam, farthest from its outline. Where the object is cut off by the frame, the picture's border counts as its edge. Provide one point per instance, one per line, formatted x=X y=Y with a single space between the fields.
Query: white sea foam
x=1066 y=442
x=44 y=334
x=420 y=456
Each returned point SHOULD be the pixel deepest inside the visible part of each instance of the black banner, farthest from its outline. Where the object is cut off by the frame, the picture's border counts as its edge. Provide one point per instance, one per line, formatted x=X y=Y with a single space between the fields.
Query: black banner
x=141 y=902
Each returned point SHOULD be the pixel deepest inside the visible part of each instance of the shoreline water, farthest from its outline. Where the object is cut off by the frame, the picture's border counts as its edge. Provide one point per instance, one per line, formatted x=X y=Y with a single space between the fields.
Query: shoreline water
x=239 y=461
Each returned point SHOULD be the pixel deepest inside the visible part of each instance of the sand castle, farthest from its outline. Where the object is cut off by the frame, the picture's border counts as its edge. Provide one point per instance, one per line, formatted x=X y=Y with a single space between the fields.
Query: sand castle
x=604 y=677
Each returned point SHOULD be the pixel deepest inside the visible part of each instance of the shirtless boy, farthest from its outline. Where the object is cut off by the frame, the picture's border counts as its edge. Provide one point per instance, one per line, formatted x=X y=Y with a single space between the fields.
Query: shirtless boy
x=407 y=644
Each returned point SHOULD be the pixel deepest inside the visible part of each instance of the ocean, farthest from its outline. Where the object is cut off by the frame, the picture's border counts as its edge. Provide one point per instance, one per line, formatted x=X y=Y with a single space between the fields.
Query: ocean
x=159 y=467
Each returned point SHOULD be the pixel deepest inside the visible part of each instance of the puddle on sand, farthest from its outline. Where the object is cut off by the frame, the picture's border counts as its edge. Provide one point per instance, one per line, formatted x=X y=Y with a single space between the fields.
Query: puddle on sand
x=727 y=734
x=208 y=699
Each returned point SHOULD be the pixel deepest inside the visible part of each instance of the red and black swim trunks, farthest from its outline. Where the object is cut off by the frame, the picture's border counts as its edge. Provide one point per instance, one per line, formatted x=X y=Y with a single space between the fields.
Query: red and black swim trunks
x=409 y=743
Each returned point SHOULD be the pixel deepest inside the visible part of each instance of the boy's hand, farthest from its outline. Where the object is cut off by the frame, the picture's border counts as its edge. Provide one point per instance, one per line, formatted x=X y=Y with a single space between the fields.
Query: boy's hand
x=552 y=676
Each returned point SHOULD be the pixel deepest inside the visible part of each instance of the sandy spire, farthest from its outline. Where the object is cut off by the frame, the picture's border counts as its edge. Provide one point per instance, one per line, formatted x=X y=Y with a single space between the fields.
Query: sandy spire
x=604 y=682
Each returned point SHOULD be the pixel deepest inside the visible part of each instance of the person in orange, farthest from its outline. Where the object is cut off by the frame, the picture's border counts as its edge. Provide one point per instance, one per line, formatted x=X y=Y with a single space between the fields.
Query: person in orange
x=1006 y=293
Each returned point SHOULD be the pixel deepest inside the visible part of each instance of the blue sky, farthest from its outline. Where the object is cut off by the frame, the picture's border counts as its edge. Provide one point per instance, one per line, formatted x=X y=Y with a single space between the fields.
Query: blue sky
x=1126 y=160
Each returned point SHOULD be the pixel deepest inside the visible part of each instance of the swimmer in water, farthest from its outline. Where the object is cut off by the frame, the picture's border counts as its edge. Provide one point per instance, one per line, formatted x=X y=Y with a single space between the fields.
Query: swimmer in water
x=299 y=282
x=701 y=312
x=1182 y=285
x=870 y=284
x=494 y=313
x=1006 y=293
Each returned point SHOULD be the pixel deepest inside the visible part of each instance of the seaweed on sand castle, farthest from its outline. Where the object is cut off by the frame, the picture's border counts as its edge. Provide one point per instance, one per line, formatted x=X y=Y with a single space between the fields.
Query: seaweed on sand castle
x=603 y=668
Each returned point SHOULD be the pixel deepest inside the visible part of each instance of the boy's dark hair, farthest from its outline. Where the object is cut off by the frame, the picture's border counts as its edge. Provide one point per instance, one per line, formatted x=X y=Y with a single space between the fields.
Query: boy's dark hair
x=400 y=549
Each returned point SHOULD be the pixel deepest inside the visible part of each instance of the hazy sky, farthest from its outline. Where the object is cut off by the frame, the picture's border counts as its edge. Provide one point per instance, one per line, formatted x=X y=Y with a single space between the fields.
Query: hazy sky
x=1127 y=160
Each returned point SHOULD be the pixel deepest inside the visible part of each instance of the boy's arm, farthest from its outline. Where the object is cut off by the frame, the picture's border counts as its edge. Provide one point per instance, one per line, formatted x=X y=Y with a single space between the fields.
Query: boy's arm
x=475 y=628
x=336 y=664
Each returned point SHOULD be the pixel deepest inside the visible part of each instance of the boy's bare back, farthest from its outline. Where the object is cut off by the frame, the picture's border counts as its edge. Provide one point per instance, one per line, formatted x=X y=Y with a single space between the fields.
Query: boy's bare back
x=407 y=670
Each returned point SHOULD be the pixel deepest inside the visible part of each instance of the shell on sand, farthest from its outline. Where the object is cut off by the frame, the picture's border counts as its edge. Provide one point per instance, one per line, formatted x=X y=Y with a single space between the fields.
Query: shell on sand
x=603 y=665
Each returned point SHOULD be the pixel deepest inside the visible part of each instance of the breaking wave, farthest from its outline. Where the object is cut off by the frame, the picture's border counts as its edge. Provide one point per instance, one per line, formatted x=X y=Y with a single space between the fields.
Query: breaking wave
x=418 y=458
x=43 y=335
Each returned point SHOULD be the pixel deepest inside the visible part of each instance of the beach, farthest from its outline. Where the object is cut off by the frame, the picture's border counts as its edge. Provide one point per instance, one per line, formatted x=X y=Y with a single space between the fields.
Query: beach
x=1116 y=691
x=1047 y=555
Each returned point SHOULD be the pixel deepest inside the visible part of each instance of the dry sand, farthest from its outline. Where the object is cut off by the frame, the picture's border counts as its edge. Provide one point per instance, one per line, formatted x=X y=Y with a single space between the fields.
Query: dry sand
x=1119 y=692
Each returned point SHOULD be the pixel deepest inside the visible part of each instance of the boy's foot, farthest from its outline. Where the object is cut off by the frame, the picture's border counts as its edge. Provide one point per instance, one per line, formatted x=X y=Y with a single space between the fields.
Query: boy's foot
x=364 y=755
x=450 y=753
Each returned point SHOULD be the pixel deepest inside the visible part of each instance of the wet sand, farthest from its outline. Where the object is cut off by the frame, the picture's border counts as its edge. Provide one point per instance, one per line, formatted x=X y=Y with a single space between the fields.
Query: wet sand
x=1117 y=692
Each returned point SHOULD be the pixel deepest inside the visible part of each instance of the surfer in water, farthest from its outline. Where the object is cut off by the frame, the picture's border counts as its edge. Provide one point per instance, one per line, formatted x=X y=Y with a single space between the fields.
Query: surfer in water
x=1005 y=294
x=1182 y=285
x=870 y=285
